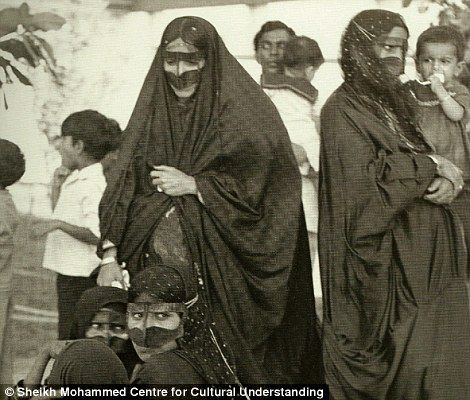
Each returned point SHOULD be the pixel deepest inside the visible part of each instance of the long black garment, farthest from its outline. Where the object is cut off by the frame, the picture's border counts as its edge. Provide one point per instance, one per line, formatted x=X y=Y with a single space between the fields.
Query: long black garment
x=396 y=313
x=247 y=239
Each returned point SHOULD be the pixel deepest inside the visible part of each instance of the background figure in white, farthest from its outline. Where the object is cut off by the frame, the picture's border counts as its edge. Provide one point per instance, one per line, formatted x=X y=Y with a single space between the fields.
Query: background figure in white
x=294 y=97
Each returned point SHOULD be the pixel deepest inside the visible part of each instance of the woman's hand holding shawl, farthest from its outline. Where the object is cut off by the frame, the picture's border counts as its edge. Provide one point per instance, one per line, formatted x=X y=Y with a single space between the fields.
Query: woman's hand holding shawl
x=441 y=191
x=172 y=181
x=445 y=169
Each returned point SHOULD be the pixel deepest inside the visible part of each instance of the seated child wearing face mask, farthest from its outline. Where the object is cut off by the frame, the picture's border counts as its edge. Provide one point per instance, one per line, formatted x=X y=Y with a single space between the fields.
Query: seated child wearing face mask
x=171 y=333
x=443 y=105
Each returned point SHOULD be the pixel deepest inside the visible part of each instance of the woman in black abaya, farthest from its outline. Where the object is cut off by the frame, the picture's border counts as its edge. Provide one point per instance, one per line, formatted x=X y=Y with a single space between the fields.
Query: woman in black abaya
x=207 y=182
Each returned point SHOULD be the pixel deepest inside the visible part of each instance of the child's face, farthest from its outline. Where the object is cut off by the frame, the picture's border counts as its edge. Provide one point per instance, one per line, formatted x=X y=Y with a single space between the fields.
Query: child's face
x=69 y=151
x=109 y=326
x=310 y=72
x=151 y=326
x=439 y=58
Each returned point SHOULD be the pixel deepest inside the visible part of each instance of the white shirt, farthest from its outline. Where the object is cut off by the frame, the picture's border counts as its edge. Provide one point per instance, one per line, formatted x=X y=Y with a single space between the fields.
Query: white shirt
x=299 y=115
x=78 y=204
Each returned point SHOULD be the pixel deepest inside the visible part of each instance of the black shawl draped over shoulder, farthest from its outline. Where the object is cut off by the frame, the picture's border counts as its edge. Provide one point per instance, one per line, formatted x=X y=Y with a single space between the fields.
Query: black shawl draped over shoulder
x=245 y=237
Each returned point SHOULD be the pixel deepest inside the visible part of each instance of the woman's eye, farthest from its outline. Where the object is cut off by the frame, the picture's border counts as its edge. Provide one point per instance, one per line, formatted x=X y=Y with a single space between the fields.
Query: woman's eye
x=170 y=61
x=161 y=316
x=137 y=315
x=118 y=328
x=95 y=326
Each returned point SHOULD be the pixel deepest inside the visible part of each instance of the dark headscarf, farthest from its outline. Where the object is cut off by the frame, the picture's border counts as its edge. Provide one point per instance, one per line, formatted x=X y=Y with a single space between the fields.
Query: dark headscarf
x=368 y=76
x=199 y=345
x=87 y=362
x=91 y=301
x=244 y=238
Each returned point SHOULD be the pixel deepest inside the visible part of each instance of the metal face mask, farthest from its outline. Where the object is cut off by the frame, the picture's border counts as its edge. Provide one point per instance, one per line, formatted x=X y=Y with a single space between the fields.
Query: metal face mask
x=152 y=325
x=183 y=80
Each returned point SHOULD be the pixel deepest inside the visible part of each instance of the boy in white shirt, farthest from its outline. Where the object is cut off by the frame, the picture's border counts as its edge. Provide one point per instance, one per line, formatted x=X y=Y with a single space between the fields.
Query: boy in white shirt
x=73 y=231
x=294 y=97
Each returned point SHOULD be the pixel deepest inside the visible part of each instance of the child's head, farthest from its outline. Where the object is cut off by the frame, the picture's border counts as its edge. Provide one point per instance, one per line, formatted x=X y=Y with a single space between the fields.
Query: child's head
x=156 y=310
x=12 y=163
x=440 y=49
x=303 y=56
x=87 y=136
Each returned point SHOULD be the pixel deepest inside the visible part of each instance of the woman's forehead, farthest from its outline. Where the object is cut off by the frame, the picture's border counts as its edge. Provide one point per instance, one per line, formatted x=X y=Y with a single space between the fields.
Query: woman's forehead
x=106 y=315
x=179 y=46
x=396 y=37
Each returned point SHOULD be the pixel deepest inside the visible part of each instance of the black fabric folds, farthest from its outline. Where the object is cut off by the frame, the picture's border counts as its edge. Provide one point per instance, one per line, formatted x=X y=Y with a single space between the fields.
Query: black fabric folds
x=87 y=362
x=90 y=303
x=245 y=236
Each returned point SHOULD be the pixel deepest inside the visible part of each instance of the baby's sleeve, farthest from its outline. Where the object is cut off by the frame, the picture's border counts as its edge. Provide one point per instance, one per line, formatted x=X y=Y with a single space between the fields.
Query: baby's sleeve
x=462 y=96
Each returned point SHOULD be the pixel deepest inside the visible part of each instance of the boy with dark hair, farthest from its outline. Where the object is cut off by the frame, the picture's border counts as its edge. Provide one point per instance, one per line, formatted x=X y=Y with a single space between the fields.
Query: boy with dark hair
x=443 y=105
x=294 y=97
x=12 y=168
x=269 y=45
x=73 y=231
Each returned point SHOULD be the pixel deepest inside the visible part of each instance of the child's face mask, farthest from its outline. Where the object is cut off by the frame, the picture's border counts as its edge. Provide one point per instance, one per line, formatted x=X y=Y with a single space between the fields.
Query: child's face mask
x=109 y=326
x=153 y=325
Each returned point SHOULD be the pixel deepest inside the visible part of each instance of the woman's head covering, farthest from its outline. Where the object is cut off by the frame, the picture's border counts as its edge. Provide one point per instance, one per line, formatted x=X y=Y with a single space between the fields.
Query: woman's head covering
x=229 y=112
x=368 y=75
x=244 y=239
x=87 y=362
x=91 y=301
x=196 y=340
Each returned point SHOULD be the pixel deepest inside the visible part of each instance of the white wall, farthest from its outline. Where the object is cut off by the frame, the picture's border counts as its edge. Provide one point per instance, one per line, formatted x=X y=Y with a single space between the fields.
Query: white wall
x=120 y=49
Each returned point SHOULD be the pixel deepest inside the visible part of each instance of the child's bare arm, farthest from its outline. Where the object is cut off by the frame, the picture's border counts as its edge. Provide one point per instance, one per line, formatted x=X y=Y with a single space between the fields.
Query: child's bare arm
x=44 y=226
x=452 y=109
x=78 y=232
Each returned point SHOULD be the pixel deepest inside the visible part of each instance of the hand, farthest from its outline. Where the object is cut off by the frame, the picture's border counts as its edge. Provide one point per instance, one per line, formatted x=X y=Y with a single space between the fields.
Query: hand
x=437 y=86
x=110 y=273
x=314 y=176
x=59 y=177
x=43 y=226
x=441 y=191
x=172 y=181
x=448 y=170
x=299 y=153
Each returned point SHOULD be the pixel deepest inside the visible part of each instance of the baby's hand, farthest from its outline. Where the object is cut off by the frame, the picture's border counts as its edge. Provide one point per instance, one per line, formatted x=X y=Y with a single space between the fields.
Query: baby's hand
x=437 y=84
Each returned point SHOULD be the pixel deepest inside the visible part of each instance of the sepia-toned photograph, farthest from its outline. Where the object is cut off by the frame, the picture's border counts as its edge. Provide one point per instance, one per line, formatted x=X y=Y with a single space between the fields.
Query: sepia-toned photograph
x=235 y=199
